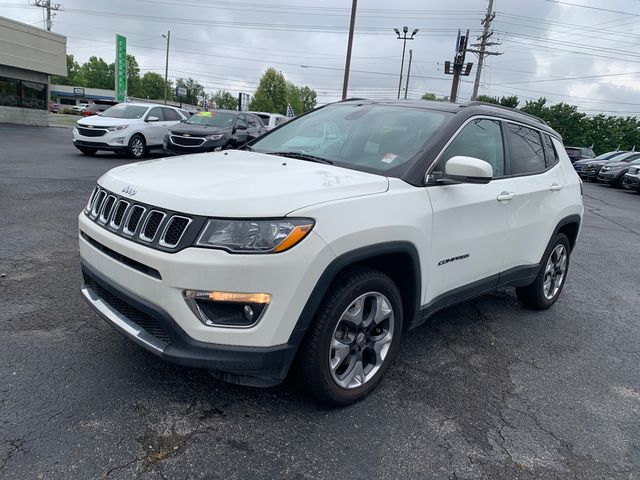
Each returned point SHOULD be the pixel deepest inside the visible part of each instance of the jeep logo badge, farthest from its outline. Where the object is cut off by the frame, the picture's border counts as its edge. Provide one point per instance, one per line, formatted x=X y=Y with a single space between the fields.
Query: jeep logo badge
x=129 y=190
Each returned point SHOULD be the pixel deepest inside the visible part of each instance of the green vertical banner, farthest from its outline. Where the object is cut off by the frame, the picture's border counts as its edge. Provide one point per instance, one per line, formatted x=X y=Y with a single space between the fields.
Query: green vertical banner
x=121 y=68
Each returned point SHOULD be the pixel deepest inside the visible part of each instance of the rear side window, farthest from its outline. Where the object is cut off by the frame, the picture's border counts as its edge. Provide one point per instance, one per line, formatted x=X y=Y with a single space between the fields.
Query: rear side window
x=525 y=150
x=481 y=139
x=550 y=154
x=280 y=120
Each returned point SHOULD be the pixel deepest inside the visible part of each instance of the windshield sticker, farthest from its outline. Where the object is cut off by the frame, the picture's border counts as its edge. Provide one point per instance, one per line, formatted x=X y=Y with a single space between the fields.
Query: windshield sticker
x=389 y=157
x=205 y=114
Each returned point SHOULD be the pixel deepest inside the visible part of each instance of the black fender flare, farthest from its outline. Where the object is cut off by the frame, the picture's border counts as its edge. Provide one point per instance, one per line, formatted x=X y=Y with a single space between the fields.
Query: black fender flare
x=346 y=260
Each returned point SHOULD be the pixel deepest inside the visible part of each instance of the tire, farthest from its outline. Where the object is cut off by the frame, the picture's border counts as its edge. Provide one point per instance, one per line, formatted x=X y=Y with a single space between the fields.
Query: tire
x=90 y=152
x=536 y=295
x=365 y=291
x=137 y=148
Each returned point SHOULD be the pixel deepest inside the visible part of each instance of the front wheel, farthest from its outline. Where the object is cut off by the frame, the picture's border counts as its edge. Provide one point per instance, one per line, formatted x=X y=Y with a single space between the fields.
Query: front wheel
x=137 y=147
x=546 y=288
x=354 y=338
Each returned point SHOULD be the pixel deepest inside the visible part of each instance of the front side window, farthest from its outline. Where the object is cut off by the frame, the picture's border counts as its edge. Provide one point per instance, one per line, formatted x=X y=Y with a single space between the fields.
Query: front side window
x=480 y=138
x=525 y=150
x=241 y=122
x=156 y=112
x=370 y=137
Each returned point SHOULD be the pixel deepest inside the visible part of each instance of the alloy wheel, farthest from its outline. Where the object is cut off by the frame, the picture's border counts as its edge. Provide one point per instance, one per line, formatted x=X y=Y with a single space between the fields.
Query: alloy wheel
x=555 y=271
x=137 y=147
x=361 y=340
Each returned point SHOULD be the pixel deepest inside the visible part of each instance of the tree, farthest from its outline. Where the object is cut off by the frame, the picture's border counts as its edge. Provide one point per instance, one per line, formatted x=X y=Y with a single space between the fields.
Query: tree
x=152 y=86
x=488 y=99
x=194 y=90
x=133 y=77
x=308 y=98
x=271 y=94
x=511 y=102
x=433 y=96
x=225 y=99
x=74 y=74
x=98 y=73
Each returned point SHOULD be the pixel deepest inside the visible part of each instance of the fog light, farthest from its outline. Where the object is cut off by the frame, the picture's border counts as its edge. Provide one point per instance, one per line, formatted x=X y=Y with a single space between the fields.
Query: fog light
x=120 y=140
x=227 y=309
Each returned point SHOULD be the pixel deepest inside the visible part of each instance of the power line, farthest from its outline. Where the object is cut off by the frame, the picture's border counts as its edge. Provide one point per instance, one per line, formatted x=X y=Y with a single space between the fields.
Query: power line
x=594 y=8
x=48 y=6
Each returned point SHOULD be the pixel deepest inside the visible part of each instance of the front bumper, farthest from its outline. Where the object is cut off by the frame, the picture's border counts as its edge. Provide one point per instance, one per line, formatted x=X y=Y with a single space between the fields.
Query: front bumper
x=631 y=181
x=609 y=176
x=152 y=328
x=113 y=141
x=289 y=278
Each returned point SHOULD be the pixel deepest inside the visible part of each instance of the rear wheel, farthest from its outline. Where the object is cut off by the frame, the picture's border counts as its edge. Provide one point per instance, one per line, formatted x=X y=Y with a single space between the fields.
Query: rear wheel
x=88 y=151
x=137 y=147
x=354 y=338
x=546 y=288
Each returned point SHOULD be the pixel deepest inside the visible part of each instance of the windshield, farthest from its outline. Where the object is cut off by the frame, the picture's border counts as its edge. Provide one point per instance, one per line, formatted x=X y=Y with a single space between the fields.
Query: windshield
x=211 y=119
x=122 y=110
x=375 y=137
x=608 y=155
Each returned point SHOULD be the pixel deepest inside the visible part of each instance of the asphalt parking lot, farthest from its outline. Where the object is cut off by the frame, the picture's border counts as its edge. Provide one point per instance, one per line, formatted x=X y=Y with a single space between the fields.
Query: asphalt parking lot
x=486 y=389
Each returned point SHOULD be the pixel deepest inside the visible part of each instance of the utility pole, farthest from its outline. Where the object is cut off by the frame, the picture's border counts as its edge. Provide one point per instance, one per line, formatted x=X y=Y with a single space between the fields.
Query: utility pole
x=46 y=4
x=347 y=65
x=166 y=66
x=458 y=68
x=405 y=30
x=482 y=52
x=406 y=88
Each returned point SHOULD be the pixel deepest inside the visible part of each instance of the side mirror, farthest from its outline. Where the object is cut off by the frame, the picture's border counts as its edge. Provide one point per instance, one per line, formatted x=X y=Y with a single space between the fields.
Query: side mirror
x=468 y=170
x=152 y=119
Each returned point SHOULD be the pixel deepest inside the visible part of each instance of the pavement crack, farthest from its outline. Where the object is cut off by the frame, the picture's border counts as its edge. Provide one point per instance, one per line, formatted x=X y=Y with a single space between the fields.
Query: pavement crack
x=120 y=467
x=15 y=446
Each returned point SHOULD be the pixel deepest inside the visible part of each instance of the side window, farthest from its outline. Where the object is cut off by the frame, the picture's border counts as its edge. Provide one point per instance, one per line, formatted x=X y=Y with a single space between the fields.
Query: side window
x=170 y=115
x=280 y=120
x=525 y=150
x=481 y=138
x=156 y=112
x=550 y=154
x=240 y=121
x=251 y=121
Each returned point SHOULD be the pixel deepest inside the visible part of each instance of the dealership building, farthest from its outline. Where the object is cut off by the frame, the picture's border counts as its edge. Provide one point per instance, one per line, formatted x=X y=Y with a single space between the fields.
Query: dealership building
x=28 y=56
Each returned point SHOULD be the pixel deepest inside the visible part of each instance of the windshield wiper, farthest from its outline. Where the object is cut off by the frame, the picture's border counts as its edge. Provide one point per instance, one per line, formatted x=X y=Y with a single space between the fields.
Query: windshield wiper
x=301 y=156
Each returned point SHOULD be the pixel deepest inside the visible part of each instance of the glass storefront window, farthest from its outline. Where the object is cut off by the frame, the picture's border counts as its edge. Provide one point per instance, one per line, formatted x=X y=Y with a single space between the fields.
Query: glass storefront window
x=21 y=93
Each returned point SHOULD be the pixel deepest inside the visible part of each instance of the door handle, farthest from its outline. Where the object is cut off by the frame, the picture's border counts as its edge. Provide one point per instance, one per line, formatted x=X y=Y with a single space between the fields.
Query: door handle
x=506 y=196
x=555 y=187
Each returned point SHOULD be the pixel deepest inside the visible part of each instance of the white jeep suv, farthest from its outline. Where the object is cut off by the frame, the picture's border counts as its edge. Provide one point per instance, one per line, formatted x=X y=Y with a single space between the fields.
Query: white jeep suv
x=132 y=128
x=323 y=255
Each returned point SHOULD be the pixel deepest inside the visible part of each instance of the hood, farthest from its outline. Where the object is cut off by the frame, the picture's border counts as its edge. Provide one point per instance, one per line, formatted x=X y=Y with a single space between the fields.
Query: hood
x=237 y=183
x=617 y=164
x=97 y=120
x=199 y=130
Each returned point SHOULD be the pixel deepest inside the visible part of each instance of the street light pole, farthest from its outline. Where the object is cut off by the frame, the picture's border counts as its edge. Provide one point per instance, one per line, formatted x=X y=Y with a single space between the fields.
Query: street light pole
x=166 y=66
x=404 y=38
x=347 y=66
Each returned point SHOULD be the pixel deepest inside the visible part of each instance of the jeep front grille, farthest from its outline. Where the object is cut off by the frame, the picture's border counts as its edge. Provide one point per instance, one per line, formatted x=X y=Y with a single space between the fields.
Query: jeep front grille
x=142 y=223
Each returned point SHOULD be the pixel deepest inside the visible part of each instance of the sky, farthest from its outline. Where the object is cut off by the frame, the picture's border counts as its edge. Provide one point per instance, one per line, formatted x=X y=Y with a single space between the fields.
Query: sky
x=583 y=52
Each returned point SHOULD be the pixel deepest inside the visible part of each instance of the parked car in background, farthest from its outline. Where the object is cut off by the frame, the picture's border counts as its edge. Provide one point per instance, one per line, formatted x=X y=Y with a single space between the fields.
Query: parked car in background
x=579 y=153
x=271 y=120
x=631 y=179
x=590 y=170
x=579 y=165
x=97 y=106
x=613 y=172
x=81 y=107
x=132 y=128
x=54 y=107
x=213 y=130
x=328 y=253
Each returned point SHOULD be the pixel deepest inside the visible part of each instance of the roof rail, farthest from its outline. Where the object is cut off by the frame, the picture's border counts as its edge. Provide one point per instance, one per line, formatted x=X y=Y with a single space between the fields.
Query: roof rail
x=489 y=104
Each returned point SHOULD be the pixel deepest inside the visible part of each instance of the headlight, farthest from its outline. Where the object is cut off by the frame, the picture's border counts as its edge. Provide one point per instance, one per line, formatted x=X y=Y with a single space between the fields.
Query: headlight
x=215 y=137
x=115 y=129
x=254 y=236
x=619 y=167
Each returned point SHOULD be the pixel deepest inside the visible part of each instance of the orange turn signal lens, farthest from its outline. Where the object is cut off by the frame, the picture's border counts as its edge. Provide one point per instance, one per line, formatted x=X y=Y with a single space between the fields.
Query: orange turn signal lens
x=296 y=235
x=261 y=298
